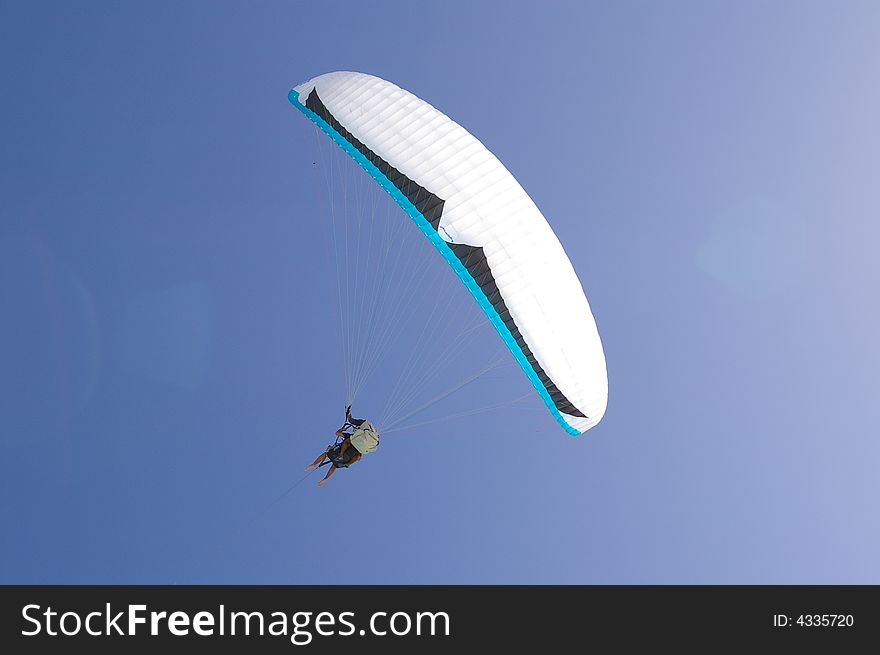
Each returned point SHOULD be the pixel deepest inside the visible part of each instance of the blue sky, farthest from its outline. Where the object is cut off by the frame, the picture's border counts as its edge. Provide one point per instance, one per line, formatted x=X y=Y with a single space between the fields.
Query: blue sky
x=168 y=355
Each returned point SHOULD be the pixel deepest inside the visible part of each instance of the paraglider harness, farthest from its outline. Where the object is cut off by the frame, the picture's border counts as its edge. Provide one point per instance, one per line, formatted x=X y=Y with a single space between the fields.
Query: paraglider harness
x=333 y=450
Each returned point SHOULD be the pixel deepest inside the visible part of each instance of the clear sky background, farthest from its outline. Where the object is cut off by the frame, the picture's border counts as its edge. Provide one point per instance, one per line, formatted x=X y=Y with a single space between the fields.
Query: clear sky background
x=168 y=355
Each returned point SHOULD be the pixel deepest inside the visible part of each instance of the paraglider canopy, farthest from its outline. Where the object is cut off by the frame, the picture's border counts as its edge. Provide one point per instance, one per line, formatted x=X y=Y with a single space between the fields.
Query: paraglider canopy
x=485 y=226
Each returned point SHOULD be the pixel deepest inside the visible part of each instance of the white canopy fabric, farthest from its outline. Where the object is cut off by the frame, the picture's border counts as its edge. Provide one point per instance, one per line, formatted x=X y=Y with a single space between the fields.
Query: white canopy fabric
x=483 y=223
